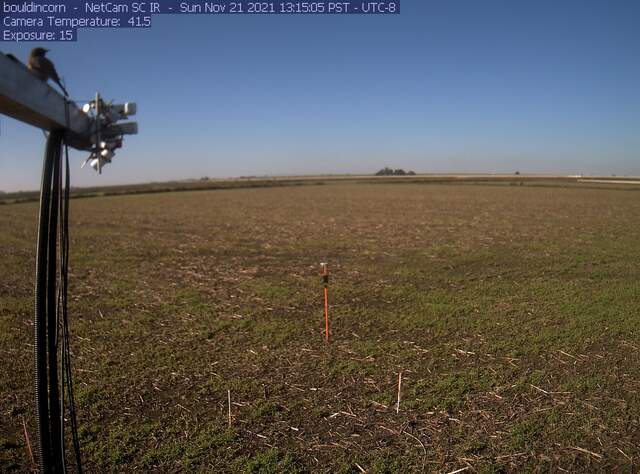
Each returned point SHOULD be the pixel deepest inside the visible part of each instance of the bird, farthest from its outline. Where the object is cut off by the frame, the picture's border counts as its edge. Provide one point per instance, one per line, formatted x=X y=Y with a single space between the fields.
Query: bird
x=43 y=68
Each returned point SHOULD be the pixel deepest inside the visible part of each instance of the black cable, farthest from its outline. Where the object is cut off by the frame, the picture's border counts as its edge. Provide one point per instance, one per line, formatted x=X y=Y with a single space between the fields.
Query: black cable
x=62 y=292
x=53 y=390
x=52 y=311
x=41 y=299
x=67 y=379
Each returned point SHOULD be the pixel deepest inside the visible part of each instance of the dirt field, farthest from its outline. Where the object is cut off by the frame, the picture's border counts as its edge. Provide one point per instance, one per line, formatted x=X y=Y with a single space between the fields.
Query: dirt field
x=512 y=312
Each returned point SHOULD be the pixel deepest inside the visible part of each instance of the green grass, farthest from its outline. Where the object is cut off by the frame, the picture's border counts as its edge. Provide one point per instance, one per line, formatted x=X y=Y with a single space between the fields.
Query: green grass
x=510 y=310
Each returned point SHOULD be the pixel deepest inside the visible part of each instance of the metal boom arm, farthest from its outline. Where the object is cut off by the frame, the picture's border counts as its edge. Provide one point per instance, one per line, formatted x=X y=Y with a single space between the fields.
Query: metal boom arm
x=28 y=99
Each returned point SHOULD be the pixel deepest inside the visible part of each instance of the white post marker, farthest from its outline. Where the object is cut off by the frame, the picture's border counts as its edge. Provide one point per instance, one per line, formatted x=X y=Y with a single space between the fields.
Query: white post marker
x=324 y=270
x=229 y=404
x=399 y=392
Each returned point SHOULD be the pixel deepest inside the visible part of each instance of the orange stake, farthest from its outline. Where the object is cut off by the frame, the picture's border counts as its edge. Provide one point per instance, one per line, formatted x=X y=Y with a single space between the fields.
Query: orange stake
x=325 y=278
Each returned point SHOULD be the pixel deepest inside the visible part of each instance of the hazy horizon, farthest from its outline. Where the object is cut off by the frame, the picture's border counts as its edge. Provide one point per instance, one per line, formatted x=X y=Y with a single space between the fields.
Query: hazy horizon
x=517 y=173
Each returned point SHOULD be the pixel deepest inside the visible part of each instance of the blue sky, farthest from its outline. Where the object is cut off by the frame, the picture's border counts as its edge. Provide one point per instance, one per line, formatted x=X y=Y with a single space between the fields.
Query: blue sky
x=446 y=86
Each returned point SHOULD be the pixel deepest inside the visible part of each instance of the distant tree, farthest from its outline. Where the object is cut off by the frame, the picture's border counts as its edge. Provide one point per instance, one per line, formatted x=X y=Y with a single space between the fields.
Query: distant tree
x=204 y=178
x=386 y=171
x=517 y=173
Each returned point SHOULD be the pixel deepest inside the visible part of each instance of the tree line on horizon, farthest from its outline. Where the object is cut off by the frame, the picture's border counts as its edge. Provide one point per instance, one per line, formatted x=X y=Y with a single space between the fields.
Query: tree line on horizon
x=386 y=171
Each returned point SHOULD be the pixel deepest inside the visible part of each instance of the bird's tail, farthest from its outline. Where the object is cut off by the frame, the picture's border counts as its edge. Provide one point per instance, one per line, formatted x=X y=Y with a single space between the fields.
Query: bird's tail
x=66 y=94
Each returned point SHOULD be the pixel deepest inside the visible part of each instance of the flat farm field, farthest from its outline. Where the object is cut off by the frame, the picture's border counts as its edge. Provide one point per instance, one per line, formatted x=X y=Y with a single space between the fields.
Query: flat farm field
x=512 y=312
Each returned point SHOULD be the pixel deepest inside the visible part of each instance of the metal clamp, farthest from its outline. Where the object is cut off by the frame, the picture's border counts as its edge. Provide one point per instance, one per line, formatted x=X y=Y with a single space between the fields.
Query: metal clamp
x=108 y=130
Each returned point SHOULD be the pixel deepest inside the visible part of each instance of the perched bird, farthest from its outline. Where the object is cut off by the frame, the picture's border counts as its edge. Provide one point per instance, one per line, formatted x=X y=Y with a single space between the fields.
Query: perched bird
x=43 y=68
